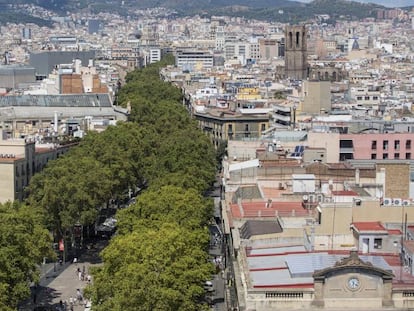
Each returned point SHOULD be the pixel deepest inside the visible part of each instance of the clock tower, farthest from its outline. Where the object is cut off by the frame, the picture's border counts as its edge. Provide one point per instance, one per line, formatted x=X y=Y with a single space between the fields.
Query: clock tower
x=353 y=283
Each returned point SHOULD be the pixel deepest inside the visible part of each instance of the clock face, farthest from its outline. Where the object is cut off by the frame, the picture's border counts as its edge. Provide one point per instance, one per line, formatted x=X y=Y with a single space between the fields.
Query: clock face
x=353 y=283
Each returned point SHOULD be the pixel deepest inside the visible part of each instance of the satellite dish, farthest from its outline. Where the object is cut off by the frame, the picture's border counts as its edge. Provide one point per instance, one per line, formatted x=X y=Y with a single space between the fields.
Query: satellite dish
x=305 y=197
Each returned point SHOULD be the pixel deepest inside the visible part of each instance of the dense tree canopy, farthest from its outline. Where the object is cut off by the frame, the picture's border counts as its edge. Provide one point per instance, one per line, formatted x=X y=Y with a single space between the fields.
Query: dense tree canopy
x=158 y=259
x=147 y=269
x=23 y=244
x=69 y=191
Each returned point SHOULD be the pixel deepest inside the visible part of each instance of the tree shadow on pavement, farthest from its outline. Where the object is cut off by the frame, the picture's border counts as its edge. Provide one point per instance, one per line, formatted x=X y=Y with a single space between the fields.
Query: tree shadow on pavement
x=43 y=297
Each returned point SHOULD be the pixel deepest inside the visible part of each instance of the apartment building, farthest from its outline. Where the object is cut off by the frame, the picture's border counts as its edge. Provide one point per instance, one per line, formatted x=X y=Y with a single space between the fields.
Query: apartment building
x=190 y=60
x=20 y=159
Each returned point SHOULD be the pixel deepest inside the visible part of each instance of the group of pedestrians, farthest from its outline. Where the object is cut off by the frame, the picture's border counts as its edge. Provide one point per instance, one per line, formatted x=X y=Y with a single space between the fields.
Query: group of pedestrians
x=82 y=276
x=77 y=298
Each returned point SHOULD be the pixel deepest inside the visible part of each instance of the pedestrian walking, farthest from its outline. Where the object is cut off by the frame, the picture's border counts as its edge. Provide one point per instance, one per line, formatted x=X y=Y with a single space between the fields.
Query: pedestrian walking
x=75 y=261
x=80 y=275
x=79 y=295
x=71 y=303
x=89 y=278
x=61 y=306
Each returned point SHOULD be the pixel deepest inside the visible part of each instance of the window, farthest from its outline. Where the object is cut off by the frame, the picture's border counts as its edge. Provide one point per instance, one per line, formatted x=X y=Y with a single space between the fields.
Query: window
x=408 y=144
x=375 y=97
x=373 y=156
x=246 y=127
x=397 y=145
x=408 y=156
x=366 y=97
x=359 y=97
x=385 y=156
x=230 y=128
x=374 y=145
x=385 y=145
x=377 y=243
x=396 y=156
x=346 y=144
x=263 y=127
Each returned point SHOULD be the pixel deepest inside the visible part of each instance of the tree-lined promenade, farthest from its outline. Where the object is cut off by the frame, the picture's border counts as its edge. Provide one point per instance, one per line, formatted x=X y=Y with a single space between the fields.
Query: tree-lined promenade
x=158 y=259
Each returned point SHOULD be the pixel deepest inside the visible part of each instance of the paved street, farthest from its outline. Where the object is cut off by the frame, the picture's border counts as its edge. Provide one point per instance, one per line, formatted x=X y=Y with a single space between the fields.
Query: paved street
x=60 y=283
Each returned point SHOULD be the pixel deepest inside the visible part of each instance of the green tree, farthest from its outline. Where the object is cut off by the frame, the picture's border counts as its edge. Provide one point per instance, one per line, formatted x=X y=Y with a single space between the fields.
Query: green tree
x=70 y=190
x=23 y=244
x=185 y=207
x=151 y=270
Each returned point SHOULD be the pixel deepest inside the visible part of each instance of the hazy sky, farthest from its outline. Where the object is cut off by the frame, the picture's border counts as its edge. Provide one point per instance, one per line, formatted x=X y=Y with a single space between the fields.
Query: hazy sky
x=387 y=3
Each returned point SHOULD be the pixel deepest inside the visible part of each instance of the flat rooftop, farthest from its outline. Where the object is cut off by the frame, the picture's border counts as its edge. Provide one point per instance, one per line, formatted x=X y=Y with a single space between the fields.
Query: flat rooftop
x=293 y=266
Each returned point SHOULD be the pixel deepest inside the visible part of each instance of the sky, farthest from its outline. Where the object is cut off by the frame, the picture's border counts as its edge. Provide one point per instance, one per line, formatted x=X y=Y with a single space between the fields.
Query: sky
x=387 y=3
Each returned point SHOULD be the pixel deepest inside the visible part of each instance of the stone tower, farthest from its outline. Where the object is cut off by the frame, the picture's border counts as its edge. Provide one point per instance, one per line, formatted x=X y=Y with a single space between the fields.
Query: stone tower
x=296 y=66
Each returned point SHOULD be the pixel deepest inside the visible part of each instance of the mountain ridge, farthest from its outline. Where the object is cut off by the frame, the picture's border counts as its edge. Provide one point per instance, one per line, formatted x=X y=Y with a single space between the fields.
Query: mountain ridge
x=285 y=11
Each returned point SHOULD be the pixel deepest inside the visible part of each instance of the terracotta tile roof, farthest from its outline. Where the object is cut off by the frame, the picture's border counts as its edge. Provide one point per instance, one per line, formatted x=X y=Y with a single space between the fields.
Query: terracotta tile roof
x=394 y=232
x=369 y=226
x=345 y=193
x=271 y=192
x=261 y=209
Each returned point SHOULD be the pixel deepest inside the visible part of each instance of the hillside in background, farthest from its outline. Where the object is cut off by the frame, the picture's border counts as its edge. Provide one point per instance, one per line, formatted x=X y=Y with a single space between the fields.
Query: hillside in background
x=272 y=10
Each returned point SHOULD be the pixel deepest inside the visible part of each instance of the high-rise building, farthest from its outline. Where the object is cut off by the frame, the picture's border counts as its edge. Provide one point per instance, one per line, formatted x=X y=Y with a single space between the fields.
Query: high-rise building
x=296 y=66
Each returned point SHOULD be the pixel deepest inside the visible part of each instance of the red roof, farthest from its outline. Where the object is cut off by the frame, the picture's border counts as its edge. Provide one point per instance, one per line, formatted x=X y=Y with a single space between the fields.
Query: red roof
x=263 y=209
x=394 y=232
x=345 y=193
x=369 y=226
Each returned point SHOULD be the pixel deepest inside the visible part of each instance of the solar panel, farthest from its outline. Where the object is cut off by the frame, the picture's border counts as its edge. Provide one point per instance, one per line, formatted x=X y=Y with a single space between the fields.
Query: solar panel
x=303 y=265
x=298 y=151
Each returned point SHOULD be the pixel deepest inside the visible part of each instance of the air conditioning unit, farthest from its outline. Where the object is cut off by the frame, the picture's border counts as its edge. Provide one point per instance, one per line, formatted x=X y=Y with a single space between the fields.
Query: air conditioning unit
x=406 y=202
x=387 y=201
x=397 y=202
